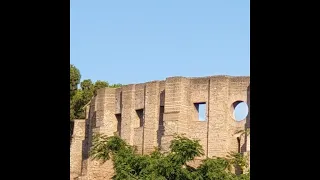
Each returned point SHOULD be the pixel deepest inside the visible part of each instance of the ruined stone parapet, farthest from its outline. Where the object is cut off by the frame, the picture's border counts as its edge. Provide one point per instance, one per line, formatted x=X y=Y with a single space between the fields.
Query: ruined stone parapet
x=147 y=115
x=76 y=149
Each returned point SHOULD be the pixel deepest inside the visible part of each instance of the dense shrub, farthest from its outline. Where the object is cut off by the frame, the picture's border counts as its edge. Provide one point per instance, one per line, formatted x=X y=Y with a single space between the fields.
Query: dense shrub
x=171 y=165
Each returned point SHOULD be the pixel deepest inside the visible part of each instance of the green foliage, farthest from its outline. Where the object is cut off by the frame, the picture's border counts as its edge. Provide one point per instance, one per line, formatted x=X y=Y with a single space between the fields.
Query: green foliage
x=237 y=159
x=77 y=102
x=80 y=97
x=171 y=165
x=99 y=85
x=103 y=146
x=72 y=116
x=245 y=176
x=215 y=169
x=184 y=149
x=75 y=77
x=86 y=85
x=115 y=85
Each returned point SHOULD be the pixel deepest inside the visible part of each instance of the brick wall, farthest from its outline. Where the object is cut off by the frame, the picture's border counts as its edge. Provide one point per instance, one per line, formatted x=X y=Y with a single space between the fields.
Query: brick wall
x=76 y=149
x=167 y=107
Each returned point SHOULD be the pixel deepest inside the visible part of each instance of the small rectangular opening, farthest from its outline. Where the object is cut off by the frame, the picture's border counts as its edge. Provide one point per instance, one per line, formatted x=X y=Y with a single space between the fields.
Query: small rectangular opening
x=201 y=110
x=161 y=116
x=118 y=116
x=160 y=127
x=140 y=116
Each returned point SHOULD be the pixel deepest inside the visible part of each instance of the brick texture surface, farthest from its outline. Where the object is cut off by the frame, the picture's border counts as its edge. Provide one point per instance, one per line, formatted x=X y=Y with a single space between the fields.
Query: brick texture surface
x=167 y=107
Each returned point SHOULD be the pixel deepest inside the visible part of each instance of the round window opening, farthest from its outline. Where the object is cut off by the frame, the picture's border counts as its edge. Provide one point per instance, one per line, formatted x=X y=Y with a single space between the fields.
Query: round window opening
x=240 y=110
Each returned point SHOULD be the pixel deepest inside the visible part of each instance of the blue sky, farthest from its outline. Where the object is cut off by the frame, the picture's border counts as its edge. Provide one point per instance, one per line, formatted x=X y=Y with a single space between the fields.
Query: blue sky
x=143 y=40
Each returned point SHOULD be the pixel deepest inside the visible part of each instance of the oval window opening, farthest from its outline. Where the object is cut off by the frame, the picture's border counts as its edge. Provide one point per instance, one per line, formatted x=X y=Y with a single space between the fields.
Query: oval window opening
x=241 y=111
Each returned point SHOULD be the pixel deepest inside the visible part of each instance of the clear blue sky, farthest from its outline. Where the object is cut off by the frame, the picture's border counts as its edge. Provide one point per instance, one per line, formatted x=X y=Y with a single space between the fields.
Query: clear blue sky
x=143 y=40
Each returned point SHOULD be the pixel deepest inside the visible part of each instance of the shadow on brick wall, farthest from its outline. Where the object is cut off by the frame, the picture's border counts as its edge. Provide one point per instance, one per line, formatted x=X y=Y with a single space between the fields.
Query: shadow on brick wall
x=247 y=125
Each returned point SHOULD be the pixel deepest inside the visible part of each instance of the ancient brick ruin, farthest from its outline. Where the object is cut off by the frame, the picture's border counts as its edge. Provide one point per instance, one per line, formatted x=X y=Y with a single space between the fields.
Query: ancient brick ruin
x=148 y=115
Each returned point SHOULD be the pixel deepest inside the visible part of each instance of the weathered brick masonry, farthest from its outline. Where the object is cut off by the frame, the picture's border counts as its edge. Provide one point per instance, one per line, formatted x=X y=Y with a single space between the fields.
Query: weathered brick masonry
x=148 y=115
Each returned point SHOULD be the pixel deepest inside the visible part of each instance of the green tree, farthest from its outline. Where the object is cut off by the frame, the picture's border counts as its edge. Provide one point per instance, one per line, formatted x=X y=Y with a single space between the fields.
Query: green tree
x=98 y=85
x=170 y=165
x=74 y=81
x=184 y=149
x=75 y=77
x=77 y=104
x=115 y=85
x=86 y=85
x=237 y=160
x=215 y=169
x=81 y=98
x=72 y=117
